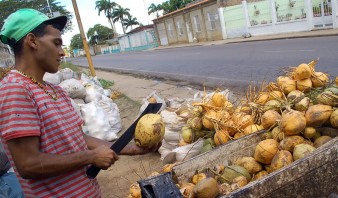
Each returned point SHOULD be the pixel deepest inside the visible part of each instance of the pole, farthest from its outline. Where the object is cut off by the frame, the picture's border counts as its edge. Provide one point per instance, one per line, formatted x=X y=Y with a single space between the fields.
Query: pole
x=50 y=10
x=84 y=41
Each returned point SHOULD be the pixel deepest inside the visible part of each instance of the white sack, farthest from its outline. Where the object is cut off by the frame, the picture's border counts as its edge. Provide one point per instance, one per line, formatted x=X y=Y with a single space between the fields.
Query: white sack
x=92 y=94
x=158 y=100
x=74 y=88
x=97 y=122
x=188 y=151
x=53 y=78
x=112 y=112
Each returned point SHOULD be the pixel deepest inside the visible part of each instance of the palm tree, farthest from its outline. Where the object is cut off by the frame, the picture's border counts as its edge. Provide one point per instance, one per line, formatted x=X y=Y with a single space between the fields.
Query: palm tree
x=118 y=15
x=154 y=8
x=130 y=21
x=107 y=7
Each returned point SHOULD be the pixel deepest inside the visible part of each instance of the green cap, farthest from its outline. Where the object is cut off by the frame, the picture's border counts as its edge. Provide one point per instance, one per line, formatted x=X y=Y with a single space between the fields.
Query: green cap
x=23 y=21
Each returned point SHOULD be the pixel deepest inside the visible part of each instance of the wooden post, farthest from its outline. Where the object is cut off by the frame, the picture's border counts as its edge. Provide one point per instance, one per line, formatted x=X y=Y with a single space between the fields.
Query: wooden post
x=84 y=41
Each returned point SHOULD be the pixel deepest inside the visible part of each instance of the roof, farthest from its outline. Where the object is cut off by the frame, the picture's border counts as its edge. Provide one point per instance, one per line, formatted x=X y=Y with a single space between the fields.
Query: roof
x=141 y=28
x=185 y=8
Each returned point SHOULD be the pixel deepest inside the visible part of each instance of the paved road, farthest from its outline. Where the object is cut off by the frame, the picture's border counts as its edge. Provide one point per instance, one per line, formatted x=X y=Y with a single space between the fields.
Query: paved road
x=227 y=64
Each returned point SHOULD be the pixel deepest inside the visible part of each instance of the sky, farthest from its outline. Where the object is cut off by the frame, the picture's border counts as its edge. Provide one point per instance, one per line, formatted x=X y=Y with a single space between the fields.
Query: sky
x=89 y=15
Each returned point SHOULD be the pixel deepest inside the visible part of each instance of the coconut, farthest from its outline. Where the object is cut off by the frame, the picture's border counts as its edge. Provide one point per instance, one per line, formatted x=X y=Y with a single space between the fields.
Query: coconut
x=281 y=159
x=303 y=104
x=304 y=85
x=270 y=118
x=206 y=148
x=186 y=189
x=265 y=150
x=152 y=100
x=309 y=132
x=182 y=143
x=328 y=97
x=319 y=79
x=221 y=137
x=218 y=99
x=207 y=119
x=268 y=168
x=187 y=134
x=266 y=135
x=207 y=188
x=135 y=190
x=288 y=86
x=272 y=105
x=302 y=150
x=318 y=114
x=275 y=95
x=250 y=164
x=321 y=140
x=238 y=135
x=308 y=142
x=252 y=129
x=277 y=134
x=262 y=98
x=295 y=96
x=301 y=72
x=195 y=123
x=281 y=80
x=198 y=177
x=334 y=119
x=245 y=121
x=292 y=123
x=233 y=171
x=289 y=142
x=149 y=130
x=240 y=180
x=260 y=175
x=168 y=168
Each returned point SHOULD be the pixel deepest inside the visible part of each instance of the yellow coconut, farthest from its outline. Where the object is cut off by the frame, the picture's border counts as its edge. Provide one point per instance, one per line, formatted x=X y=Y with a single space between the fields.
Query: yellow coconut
x=292 y=123
x=318 y=114
x=303 y=104
x=304 y=85
x=221 y=137
x=207 y=188
x=262 y=98
x=149 y=130
x=272 y=105
x=309 y=132
x=240 y=180
x=277 y=134
x=289 y=142
x=260 y=175
x=218 y=99
x=252 y=129
x=319 y=79
x=250 y=164
x=207 y=119
x=281 y=80
x=288 y=86
x=301 y=72
x=295 y=96
x=275 y=95
x=135 y=190
x=187 y=134
x=265 y=150
x=167 y=168
x=281 y=159
x=334 y=119
x=187 y=189
x=198 y=177
x=152 y=100
x=245 y=121
x=195 y=123
x=270 y=118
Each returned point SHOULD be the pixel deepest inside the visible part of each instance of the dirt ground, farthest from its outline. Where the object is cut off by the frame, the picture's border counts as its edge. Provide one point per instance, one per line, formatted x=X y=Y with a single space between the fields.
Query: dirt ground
x=115 y=181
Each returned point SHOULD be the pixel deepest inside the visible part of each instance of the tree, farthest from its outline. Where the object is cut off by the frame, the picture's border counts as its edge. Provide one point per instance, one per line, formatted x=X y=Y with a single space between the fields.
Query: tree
x=154 y=9
x=103 y=33
x=119 y=13
x=76 y=42
x=10 y=6
x=172 y=5
x=107 y=7
x=130 y=21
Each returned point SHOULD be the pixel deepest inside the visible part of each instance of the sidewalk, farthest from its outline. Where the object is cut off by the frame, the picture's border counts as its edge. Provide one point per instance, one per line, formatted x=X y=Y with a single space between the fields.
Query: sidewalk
x=138 y=88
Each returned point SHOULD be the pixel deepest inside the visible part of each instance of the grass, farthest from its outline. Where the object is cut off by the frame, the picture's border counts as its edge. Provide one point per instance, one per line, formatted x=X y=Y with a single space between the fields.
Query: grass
x=70 y=66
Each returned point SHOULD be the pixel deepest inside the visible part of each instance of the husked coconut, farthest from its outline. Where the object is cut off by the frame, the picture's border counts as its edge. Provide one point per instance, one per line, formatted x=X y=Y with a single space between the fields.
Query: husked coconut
x=265 y=150
x=250 y=164
x=281 y=159
x=270 y=118
x=318 y=114
x=334 y=119
x=289 y=142
x=149 y=130
x=206 y=188
x=292 y=122
x=319 y=79
x=302 y=150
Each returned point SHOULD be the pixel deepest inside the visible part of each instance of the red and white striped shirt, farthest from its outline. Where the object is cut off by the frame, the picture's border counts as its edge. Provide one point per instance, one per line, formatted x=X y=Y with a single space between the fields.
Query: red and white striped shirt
x=26 y=110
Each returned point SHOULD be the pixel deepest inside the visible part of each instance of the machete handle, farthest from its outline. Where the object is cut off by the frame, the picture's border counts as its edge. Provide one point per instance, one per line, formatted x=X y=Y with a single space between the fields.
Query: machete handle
x=92 y=172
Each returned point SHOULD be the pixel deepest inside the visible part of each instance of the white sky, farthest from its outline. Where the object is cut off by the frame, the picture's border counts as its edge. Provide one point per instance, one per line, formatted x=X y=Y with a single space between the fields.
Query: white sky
x=89 y=15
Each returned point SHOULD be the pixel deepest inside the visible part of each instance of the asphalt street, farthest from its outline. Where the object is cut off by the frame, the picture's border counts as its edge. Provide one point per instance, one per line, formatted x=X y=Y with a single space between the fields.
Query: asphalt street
x=229 y=65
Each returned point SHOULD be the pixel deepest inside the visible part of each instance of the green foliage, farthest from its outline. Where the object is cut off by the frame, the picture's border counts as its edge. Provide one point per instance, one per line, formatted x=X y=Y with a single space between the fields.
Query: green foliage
x=70 y=66
x=172 y=5
x=119 y=14
x=76 y=42
x=107 y=8
x=130 y=21
x=106 y=83
x=10 y=6
x=103 y=33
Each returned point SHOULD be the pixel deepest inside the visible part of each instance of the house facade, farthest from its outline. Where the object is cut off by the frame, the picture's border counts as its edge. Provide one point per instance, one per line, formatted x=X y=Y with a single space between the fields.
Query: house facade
x=210 y=20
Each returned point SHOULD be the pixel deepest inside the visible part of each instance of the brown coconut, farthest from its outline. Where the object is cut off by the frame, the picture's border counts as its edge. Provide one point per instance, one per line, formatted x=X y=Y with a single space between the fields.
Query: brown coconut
x=252 y=129
x=206 y=188
x=265 y=150
x=303 y=71
x=270 y=118
x=289 y=142
x=318 y=114
x=292 y=123
x=281 y=159
x=304 y=85
x=321 y=141
x=309 y=132
x=319 y=79
x=277 y=134
x=288 y=86
x=207 y=119
x=302 y=150
x=260 y=175
x=334 y=119
x=250 y=164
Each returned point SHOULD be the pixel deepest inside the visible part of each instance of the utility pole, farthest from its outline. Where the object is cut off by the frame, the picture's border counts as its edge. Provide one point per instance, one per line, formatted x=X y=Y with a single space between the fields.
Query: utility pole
x=84 y=41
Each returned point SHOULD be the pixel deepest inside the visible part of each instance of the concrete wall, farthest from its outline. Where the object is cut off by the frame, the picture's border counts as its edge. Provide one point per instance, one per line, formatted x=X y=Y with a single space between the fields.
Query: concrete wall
x=6 y=56
x=198 y=27
x=181 y=30
x=212 y=23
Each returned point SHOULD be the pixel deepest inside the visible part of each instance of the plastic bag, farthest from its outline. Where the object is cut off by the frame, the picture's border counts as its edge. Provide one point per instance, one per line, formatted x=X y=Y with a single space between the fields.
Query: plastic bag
x=188 y=151
x=113 y=113
x=53 y=78
x=74 y=88
x=92 y=94
x=97 y=123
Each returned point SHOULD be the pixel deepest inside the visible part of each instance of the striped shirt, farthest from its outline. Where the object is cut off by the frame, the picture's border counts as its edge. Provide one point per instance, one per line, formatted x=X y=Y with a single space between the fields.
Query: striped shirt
x=26 y=110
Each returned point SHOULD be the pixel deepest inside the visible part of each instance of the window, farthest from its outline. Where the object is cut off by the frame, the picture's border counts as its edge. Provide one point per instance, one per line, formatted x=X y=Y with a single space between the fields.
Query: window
x=212 y=18
x=179 y=28
x=197 y=23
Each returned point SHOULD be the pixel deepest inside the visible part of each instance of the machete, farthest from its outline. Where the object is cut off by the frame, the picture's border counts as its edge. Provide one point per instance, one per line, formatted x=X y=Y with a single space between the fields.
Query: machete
x=128 y=135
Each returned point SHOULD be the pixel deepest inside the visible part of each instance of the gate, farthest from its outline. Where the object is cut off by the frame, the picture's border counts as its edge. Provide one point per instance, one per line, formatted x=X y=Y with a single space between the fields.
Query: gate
x=322 y=14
